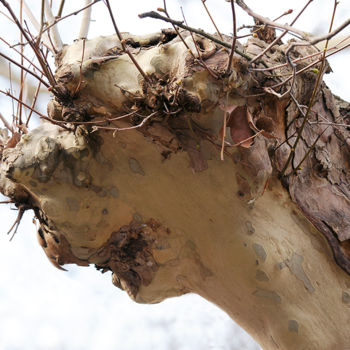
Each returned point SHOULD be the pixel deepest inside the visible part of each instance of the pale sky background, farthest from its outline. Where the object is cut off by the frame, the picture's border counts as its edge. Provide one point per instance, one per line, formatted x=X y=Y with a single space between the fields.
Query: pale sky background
x=42 y=308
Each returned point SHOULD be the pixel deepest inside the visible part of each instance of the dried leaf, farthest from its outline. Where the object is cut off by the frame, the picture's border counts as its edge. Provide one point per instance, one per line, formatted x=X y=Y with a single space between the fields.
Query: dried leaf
x=12 y=142
x=238 y=123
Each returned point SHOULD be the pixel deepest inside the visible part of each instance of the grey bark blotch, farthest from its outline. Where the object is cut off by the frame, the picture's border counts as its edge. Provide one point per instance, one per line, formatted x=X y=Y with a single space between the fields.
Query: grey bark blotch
x=250 y=227
x=72 y=204
x=135 y=167
x=268 y=294
x=295 y=266
x=260 y=251
x=114 y=192
x=346 y=298
x=293 y=326
x=137 y=218
x=261 y=276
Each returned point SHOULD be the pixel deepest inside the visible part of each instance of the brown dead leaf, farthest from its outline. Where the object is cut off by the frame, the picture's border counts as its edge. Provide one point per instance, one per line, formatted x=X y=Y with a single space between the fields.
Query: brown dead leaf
x=238 y=123
x=12 y=142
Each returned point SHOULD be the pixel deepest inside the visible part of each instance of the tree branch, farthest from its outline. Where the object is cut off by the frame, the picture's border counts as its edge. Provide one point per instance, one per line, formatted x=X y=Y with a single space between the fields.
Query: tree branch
x=85 y=22
x=153 y=14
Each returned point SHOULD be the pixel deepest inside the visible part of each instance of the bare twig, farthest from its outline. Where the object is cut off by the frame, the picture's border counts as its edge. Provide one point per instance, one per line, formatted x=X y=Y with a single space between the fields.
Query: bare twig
x=212 y=20
x=42 y=17
x=122 y=42
x=34 y=110
x=198 y=51
x=309 y=66
x=74 y=13
x=107 y=120
x=60 y=9
x=331 y=124
x=331 y=34
x=298 y=167
x=85 y=22
x=35 y=98
x=80 y=70
x=19 y=107
x=36 y=25
x=153 y=14
x=21 y=209
x=247 y=139
x=265 y=20
x=305 y=119
x=115 y=129
x=288 y=12
x=318 y=39
x=33 y=103
x=11 y=89
x=26 y=69
x=234 y=37
x=21 y=54
x=176 y=30
x=280 y=36
x=7 y=125
x=42 y=61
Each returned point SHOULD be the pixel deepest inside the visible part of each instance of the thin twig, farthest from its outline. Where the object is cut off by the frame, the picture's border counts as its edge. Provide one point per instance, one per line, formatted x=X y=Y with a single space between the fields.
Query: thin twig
x=265 y=20
x=198 y=51
x=41 y=22
x=305 y=119
x=211 y=18
x=229 y=66
x=280 y=36
x=115 y=129
x=107 y=120
x=318 y=39
x=247 y=139
x=7 y=125
x=34 y=47
x=19 y=107
x=21 y=209
x=36 y=25
x=80 y=70
x=176 y=30
x=226 y=115
x=60 y=9
x=153 y=14
x=298 y=167
x=74 y=13
x=288 y=12
x=122 y=42
x=33 y=103
x=21 y=54
x=11 y=89
x=310 y=65
x=331 y=124
x=26 y=69
x=34 y=110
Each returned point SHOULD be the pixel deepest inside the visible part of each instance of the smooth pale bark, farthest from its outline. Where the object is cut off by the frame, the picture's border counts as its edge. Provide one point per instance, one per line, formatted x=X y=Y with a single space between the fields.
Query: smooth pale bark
x=157 y=206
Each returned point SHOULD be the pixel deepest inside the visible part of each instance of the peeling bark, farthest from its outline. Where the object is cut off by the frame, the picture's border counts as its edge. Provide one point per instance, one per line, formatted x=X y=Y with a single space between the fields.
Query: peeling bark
x=155 y=204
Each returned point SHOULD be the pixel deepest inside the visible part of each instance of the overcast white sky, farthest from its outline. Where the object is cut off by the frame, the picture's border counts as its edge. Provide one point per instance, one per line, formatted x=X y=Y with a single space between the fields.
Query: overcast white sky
x=42 y=308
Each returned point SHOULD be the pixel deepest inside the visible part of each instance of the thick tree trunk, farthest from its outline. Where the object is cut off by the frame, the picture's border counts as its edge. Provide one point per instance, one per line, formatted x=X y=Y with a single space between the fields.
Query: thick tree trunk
x=157 y=206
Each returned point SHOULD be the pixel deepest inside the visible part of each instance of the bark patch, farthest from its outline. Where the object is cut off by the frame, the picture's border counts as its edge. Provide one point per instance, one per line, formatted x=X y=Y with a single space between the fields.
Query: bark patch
x=295 y=266
x=268 y=295
x=260 y=251
x=293 y=326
